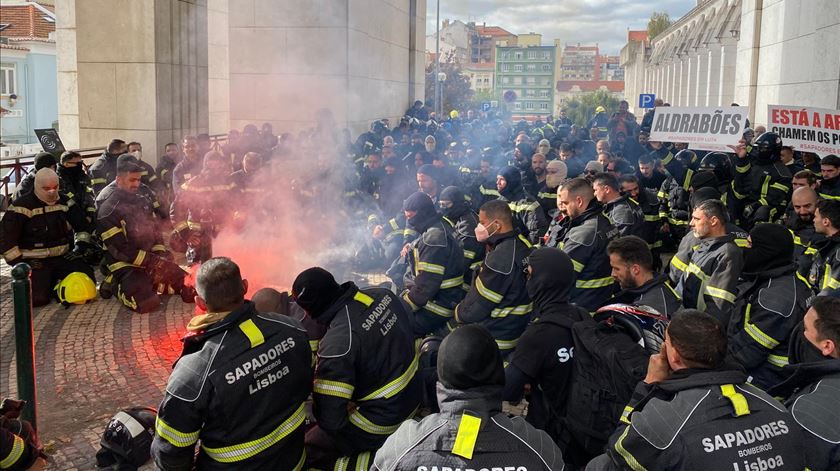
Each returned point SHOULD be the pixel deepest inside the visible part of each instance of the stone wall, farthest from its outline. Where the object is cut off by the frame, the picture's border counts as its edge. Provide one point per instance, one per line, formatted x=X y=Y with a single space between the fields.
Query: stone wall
x=133 y=69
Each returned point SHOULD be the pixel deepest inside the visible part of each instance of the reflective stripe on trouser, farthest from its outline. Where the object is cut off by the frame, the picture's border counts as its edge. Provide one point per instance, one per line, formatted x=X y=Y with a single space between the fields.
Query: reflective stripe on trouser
x=243 y=451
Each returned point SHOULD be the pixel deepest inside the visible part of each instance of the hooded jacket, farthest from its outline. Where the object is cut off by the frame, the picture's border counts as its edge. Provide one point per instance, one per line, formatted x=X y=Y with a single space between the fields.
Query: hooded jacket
x=764 y=185
x=498 y=298
x=626 y=216
x=544 y=356
x=585 y=240
x=103 y=171
x=262 y=360
x=703 y=420
x=473 y=417
x=464 y=220
x=366 y=357
x=824 y=275
x=528 y=215
x=76 y=183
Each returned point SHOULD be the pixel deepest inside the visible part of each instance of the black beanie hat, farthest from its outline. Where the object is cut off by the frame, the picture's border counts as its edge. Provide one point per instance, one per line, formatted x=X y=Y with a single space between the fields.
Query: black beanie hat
x=772 y=247
x=44 y=160
x=704 y=179
x=469 y=358
x=315 y=289
x=703 y=194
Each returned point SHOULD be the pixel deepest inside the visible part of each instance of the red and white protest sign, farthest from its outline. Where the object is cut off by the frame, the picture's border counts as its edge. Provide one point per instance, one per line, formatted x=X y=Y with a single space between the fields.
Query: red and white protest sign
x=806 y=129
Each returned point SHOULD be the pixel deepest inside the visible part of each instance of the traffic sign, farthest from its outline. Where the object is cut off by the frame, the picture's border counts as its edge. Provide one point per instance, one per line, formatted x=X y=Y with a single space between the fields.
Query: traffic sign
x=485 y=106
x=646 y=100
x=509 y=96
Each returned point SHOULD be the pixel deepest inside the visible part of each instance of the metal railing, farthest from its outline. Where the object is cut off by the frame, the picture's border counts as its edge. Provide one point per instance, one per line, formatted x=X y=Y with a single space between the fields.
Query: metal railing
x=19 y=166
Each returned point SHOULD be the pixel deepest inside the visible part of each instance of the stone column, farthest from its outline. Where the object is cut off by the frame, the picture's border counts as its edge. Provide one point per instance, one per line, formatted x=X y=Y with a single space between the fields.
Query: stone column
x=714 y=75
x=139 y=73
x=747 y=51
x=728 y=75
x=693 y=79
x=218 y=66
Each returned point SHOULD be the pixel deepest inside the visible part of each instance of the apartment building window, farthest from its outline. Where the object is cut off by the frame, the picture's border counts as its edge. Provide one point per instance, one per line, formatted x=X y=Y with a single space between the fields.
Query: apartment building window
x=543 y=106
x=517 y=80
x=505 y=80
x=7 y=79
x=532 y=54
x=532 y=80
x=517 y=106
x=505 y=67
x=543 y=93
x=545 y=55
x=517 y=67
x=546 y=67
x=529 y=105
x=532 y=67
x=517 y=55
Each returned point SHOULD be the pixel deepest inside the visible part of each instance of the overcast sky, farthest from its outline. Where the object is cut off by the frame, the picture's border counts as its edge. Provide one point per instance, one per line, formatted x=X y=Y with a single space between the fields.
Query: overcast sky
x=586 y=21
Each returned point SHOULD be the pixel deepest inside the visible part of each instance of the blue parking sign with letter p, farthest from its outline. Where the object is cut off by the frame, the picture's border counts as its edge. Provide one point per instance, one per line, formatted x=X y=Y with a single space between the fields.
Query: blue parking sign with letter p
x=646 y=100
x=485 y=106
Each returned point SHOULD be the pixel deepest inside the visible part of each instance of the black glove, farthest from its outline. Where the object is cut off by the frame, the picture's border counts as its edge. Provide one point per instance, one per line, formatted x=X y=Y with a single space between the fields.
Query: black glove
x=163 y=271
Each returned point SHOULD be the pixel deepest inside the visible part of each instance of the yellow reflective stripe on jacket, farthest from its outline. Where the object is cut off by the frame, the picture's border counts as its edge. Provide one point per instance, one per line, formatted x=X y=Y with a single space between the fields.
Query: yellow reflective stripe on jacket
x=757 y=334
x=506 y=344
x=625 y=415
x=697 y=271
x=467 y=435
x=577 y=265
x=333 y=388
x=243 y=451
x=116 y=266
x=743 y=243
x=174 y=436
x=521 y=207
x=194 y=226
x=452 y=282
x=430 y=267
x=14 y=454
x=826 y=196
x=596 y=283
x=138 y=260
x=357 y=419
x=525 y=241
x=434 y=308
x=469 y=254
x=520 y=310
x=181 y=226
x=37 y=211
x=46 y=252
x=628 y=457
x=111 y=232
x=804 y=280
x=487 y=293
x=363 y=298
x=778 y=360
x=12 y=253
x=652 y=217
x=158 y=248
x=780 y=187
x=396 y=385
x=97 y=181
x=678 y=264
x=739 y=402
x=254 y=334
x=829 y=282
x=720 y=293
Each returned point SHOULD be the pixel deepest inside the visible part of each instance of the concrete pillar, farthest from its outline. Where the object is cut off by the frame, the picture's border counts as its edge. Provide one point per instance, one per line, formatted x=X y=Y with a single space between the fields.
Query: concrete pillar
x=747 y=51
x=685 y=78
x=728 y=73
x=693 y=79
x=218 y=65
x=293 y=58
x=702 y=79
x=714 y=75
x=137 y=74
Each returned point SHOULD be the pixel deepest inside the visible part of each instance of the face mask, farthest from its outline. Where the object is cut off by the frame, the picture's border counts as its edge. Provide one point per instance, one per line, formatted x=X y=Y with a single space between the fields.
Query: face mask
x=138 y=154
x=481 y=232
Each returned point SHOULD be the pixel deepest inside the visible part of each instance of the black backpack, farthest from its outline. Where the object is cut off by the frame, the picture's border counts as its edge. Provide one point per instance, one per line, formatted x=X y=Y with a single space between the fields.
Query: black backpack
x=607 y=366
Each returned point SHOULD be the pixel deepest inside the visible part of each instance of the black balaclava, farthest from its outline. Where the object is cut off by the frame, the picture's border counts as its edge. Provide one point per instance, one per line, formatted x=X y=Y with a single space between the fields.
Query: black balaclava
x=801 y=350
x=315 y=290
x=525 y=152
x=513 y=178
x=426 y=215
x=44 y=159
x=772 y=247
x=700 y=195
x=552 y=278
x=459 y=202
x=705 y=179
x=469 y=358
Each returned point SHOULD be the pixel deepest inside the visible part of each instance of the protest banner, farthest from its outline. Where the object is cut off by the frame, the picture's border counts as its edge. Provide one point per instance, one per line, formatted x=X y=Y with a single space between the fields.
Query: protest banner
x=806 y=129
x=703 y=128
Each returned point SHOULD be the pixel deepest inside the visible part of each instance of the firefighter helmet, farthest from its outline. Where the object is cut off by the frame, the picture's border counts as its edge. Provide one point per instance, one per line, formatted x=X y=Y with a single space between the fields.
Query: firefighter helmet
x=767 y=147
x=643 y=324
x=76 y=288
x=719 y=163
x=127 y=440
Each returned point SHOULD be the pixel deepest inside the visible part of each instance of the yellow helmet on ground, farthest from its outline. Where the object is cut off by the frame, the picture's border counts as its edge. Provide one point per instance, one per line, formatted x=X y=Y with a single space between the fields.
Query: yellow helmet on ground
x=76 y=288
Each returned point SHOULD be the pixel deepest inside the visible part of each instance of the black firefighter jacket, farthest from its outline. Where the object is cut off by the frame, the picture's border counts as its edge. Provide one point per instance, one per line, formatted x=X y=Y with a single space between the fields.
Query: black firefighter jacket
x=498 y=298
x=585 y=240
x=474 y=251
x=239 y=387
x=626 y=216
x=656 y=293
x=769 y=305
x=765 y=187
x=434 y=278
x=703 y=420
x=470 y=432
x=367 y=357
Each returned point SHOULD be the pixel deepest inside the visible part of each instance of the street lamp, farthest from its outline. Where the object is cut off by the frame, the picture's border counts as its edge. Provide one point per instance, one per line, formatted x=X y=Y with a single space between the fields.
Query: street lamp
x=441 y=77
x=437 y=64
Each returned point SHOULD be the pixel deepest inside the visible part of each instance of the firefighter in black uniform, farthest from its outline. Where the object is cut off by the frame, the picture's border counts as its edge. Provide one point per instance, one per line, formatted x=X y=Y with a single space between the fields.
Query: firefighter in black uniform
x=189 y=166
x=762 y=184
x=252 y=183
x=772 y=299
x=623 y=212
x=137 y=262
x=366 y=380
x=457 y=212
x=692 y=411
x=824 y=273
x=584 y=233
x=201 y=209
x=39 y=229
x=239 y=386
x=27 y=183
x=528 y=215
x=76 y=182
x=148 y=175
x=498 y=299
x=166 y=164
x=104 y=170
x=632 y=268
x=435 y=268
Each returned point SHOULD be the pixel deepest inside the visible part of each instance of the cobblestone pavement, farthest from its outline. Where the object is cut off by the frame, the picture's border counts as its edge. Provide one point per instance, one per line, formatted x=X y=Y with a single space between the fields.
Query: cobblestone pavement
x=92 y=361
